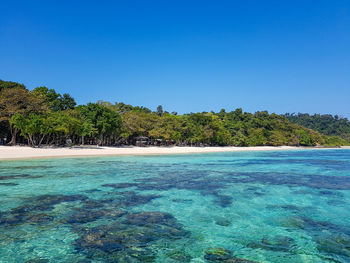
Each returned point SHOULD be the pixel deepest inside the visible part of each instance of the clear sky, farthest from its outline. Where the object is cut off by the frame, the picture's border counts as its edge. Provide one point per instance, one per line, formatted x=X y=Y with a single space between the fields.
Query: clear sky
x=189 y=56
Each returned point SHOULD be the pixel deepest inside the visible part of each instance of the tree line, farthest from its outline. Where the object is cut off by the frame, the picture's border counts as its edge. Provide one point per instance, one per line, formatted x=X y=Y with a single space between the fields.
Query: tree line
x=326 y=124
x=44 y=117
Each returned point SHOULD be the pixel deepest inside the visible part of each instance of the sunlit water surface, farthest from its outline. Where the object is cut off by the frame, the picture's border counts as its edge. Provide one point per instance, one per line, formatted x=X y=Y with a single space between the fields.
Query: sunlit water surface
x=276 y=206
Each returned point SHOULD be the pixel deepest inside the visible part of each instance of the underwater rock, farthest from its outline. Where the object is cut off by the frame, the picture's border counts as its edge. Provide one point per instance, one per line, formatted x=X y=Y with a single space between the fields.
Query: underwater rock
x=314 y=225
x=278 y=243
x=120 y=185
x=10 y=221
x=56 y=199
x=180 y=256
x=124 y=203
x=18 y=176
x=38 y=218
x=294 y=222
x=13 y=219
x=224 y=200
x=223 y=255
x=84 y=216
x=127 y=199
x=104 y=238
x=32 y=167
x=164 y=224
x=218 y=254
x=92 y=204
x=223 y=222
x=179 y=200
x=47 y=202
x=8 y=184
x=129 y=240
x=202 y=181
x=134 y=200
x=92 y=191
x=37 y=260
x=293 y=180
x=326 y=192
x=336 y=202
x=32 y=212
x=337 y=245
x=331 y=239
x=145 y=218
x=293 y=208
x=302 y=192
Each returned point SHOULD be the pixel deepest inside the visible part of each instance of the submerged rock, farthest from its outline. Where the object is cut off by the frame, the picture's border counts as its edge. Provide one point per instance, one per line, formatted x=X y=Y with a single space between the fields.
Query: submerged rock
x=129 y=240
x=84 y=216
x=179 y=200
x=201 y=181
x=37 y=260
x=278 y=243
x=32 y=212
x=149 y=218
x=8 y=184
x=47 y=202
x=293 y=180
x=120 y=185
x=218 y=254
x=224 y=200
x=337 y=245
x=331 y=239
x=289 y=207
x=180 y=256
x=223 y=255
x=13 y=219
x=91 y=204
x=18 y=176
x=127 y=199
x=92 y=191
x=223 y=222
x=164 y=224
x=134 y=200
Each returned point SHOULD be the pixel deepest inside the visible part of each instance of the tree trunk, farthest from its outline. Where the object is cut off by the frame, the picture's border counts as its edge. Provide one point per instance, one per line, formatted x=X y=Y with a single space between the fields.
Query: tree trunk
x=14 y=132
x=31 y=140
x=41 y=140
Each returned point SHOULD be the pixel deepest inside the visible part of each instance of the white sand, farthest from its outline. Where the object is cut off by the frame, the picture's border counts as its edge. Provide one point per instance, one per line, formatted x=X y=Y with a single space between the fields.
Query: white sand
x=19 y=152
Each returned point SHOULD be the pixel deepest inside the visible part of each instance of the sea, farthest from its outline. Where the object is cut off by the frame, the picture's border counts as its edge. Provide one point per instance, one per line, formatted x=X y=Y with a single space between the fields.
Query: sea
x=234 y=207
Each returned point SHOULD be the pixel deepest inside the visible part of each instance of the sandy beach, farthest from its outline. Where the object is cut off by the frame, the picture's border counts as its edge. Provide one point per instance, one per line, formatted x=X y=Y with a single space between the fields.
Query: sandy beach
x=23 y=152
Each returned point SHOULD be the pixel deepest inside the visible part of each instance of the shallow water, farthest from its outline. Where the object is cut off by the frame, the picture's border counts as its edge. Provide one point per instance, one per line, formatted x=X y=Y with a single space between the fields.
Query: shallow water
x=283 y=206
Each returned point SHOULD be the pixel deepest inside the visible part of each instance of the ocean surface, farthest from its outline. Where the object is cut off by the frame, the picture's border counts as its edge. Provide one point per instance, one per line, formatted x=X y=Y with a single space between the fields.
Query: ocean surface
x=272 y=206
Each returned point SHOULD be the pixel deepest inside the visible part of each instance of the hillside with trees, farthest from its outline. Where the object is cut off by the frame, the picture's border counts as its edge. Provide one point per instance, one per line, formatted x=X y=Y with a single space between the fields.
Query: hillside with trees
x=44 y=117
x=326 y=124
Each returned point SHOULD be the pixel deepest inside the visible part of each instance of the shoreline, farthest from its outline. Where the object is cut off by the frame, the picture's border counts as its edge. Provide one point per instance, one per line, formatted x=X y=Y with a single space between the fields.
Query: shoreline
x=25 y=152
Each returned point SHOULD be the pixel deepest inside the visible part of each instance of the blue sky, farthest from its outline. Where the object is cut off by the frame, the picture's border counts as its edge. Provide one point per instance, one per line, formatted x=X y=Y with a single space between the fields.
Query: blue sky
x=189 y=56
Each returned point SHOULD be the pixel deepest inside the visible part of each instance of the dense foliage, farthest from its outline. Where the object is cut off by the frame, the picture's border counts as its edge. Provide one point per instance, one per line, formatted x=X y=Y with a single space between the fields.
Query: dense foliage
x=43 y=116
x=326 y=124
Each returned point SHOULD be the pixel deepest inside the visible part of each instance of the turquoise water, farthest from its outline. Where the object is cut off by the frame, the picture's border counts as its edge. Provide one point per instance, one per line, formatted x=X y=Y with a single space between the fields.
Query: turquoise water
x=282 y=206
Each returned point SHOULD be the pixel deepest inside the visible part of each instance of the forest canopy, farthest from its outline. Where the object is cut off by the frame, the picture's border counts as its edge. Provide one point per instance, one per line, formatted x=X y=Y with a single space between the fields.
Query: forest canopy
x=44 y=117
x=326 y=124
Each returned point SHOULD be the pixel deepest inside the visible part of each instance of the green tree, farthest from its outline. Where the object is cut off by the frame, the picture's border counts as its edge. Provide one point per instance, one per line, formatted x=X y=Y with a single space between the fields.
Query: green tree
x=30 y=126
x=10 y=85
x=105 y=121
x=160 y=111
x=17 y=100
x=54 y=100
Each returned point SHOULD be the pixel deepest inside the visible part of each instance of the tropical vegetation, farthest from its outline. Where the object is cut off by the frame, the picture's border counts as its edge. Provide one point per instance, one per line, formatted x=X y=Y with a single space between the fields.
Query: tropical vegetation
x=44 y=117
x=326 y=124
